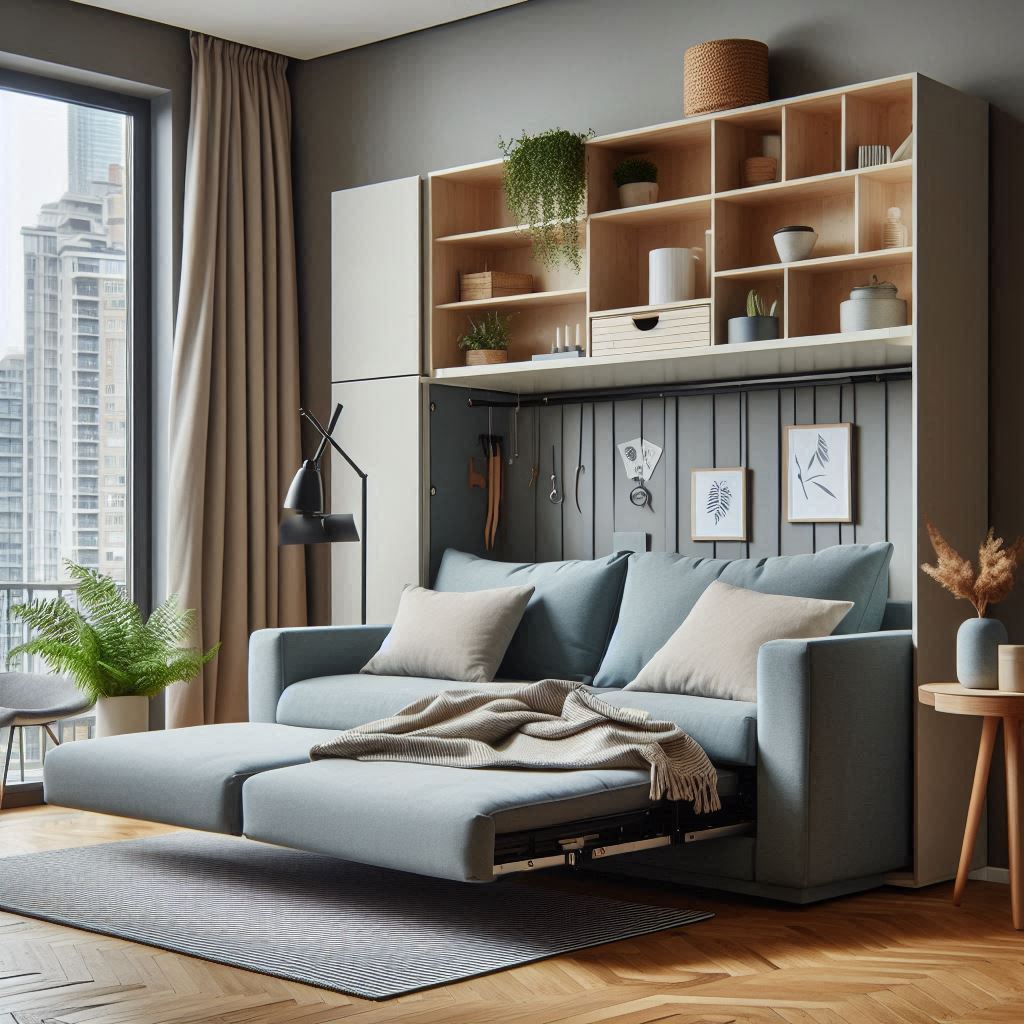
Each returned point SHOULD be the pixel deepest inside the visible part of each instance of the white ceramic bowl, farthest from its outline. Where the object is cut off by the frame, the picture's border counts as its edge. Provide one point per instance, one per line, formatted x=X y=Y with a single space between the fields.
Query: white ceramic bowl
x=795 y=243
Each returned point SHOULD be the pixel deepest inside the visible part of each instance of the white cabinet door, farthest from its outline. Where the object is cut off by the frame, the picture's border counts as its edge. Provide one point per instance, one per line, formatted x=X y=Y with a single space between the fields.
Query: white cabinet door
x=375 y=281
x=381 y=429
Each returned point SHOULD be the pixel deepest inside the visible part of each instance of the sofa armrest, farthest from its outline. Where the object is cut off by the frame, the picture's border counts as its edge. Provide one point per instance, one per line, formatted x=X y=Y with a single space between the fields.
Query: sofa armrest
x=280 y=657
x=835 y=740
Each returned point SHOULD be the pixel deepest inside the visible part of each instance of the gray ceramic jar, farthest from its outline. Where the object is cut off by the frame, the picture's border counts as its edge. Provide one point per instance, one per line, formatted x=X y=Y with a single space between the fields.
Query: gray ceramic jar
x=977 y=653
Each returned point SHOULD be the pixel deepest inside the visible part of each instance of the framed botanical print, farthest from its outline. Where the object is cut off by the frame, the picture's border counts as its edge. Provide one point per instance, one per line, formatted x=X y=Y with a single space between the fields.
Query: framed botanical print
x=718 y=504
x=817 y=473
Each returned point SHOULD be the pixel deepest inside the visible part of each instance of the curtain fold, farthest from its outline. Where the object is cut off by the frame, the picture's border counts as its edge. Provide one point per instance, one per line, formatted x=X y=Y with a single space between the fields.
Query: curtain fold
x=234 y=427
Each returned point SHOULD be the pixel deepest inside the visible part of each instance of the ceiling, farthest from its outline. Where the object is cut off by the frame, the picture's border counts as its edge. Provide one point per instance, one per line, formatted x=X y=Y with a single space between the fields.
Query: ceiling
x=303 y=28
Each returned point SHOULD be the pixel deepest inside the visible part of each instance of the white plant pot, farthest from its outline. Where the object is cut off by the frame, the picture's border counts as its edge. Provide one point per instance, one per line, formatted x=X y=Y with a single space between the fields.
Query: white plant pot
x=116 y=716
x=671 y=275
x=638 y=193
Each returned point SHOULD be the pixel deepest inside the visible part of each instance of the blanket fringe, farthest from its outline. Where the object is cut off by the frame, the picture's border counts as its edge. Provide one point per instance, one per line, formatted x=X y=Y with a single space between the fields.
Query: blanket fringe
x=671 y=783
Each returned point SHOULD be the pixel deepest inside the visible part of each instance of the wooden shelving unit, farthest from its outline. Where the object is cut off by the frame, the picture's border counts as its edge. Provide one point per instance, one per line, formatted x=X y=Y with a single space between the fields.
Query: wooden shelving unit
x=942 y=433
x=701 y=199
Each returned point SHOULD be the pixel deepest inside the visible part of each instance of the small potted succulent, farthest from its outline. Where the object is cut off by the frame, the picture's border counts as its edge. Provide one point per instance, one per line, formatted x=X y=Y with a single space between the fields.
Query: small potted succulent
x=487 y=340
x=637 y=180
x=760 y=323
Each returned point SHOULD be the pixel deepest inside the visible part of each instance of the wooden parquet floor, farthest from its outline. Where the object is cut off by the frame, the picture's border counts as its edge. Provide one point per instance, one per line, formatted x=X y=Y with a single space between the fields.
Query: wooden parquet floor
x=892 y=957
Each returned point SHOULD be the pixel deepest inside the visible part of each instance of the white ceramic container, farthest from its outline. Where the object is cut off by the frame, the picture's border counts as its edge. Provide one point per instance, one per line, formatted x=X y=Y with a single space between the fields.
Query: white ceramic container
x=638 y=193
x=871 y=307
x=795 y=243
x=116 y=716
x=672 y=275
x=1011 y=668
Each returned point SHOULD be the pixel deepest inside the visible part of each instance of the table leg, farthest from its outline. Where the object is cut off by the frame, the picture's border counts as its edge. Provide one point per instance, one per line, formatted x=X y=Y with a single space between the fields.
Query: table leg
x=1011 y=740
x=976 y=810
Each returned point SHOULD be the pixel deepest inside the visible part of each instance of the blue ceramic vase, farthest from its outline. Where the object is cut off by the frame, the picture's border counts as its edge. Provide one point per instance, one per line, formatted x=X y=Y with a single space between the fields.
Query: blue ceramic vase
x=977 y=653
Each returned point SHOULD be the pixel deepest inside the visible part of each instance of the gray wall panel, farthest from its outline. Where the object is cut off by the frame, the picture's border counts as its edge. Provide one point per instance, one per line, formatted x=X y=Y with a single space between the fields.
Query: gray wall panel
x=743 y=428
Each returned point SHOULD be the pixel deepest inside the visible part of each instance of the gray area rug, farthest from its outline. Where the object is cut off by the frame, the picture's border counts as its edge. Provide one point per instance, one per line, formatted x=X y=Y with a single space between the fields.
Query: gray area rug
x=347 y=927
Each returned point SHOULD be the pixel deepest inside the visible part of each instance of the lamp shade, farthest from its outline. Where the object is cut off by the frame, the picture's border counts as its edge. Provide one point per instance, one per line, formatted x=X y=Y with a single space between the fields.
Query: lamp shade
x=306 y=494
x=317 y=529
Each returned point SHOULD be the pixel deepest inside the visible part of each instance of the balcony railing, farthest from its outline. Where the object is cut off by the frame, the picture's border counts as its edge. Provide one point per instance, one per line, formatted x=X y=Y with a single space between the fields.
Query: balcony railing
x=31 y=743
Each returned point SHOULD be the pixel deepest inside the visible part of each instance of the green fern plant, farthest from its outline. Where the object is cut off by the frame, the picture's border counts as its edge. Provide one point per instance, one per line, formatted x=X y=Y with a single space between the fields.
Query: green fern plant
x=756 y=306
x=106 y=647
x=546 y=189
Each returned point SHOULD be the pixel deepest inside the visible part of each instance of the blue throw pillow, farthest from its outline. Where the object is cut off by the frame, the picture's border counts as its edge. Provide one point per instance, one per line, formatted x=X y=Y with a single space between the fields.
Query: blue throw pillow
x=661 y=589
x=565 y=628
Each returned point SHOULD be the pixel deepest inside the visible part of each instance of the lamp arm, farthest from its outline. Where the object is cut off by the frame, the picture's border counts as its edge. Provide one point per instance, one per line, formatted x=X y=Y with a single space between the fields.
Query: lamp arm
x=330 y=430
x=327 y=439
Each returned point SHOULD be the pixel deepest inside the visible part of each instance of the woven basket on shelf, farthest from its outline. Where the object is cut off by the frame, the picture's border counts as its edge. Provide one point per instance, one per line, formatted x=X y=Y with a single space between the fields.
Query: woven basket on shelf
x=724 y=73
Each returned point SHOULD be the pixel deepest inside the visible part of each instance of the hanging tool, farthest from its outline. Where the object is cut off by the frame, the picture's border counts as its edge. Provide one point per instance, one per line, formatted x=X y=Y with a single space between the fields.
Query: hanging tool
x=535 y=467
x=579 y=465
x=476 y=479
x=554 y=497
x=640 y=495
x=496 y=471
x=514 y=454
x=492 y=446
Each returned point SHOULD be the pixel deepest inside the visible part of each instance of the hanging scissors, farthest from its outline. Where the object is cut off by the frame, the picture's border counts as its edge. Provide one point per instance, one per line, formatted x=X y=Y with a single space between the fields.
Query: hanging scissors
x=554 y=497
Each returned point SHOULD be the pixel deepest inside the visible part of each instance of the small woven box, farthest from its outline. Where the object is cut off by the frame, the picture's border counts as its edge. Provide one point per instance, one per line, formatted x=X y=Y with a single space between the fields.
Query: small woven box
x=724 y=73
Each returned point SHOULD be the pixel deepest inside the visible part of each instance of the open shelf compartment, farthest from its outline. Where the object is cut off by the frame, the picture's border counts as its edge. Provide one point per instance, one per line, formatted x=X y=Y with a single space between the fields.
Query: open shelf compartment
x=620 y=255
x=731 y=299
x=739 y=137
x=812 y=135
x=682 y=154
x=745 y=224
x=880 y=115
x=813 y=294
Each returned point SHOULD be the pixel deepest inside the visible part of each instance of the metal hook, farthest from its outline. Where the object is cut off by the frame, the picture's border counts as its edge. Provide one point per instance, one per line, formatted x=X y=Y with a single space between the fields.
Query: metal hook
x=554 y=497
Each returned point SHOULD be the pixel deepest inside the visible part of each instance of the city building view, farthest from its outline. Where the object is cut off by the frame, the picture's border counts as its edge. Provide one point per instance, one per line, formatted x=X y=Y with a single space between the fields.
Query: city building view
x=63 y=369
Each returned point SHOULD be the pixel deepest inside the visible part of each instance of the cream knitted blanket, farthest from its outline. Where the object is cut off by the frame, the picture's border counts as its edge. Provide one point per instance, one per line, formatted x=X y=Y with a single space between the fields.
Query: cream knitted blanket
x=553 y=724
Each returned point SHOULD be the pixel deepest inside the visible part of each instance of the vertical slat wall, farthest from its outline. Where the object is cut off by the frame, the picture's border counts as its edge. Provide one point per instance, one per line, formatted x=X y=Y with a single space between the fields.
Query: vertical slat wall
x=699 y=431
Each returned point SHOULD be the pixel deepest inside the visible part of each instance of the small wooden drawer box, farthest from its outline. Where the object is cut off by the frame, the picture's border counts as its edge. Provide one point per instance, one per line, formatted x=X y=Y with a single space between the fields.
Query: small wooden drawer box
x=663 y=330
x=491 y=284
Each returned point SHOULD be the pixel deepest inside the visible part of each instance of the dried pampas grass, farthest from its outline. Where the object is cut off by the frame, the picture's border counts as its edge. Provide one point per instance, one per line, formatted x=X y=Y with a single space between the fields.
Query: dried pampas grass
x=994 y=579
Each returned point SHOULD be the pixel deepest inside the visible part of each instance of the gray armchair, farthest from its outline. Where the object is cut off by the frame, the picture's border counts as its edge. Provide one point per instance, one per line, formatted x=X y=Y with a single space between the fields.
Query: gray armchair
x=31 y=699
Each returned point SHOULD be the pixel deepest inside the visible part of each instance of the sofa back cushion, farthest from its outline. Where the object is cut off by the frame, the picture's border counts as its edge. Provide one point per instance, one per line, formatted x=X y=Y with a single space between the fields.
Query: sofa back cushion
x=661 y=589
x=565 y=628
x=450 y=636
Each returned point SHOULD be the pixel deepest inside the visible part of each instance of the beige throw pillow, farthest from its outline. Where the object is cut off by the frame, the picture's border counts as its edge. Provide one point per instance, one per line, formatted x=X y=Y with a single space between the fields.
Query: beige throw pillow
x=714 y=652
x=450 y=635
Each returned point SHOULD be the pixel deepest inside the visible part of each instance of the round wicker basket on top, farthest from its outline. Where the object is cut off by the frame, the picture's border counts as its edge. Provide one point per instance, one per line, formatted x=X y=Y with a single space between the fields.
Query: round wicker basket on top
x=724 y=73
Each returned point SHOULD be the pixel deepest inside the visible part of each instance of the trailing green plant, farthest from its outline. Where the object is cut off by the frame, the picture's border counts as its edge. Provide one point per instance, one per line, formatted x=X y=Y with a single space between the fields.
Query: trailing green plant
x=634 y=169
x=105 y=645
x=489 y=333
x=756 y=306
x=546 y=188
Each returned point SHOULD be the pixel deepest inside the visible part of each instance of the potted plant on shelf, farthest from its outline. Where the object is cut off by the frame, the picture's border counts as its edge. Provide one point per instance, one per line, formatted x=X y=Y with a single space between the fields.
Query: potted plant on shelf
x=977 y=639
x=637 y=181
x=115 y=656
x=487 y=340
x=546 y=188
x=760 y=323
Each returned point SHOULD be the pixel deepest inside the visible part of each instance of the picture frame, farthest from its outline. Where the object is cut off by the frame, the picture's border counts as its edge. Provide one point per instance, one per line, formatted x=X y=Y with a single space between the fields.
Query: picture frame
x=817 y=472
x=718 y=503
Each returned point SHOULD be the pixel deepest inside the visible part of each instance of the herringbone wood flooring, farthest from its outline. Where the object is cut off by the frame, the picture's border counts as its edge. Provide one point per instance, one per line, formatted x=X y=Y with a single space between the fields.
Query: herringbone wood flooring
x=892 y=956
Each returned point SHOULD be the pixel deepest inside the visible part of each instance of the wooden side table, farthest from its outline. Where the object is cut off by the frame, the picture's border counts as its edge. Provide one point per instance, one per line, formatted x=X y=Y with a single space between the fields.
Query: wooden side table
x=993 y=706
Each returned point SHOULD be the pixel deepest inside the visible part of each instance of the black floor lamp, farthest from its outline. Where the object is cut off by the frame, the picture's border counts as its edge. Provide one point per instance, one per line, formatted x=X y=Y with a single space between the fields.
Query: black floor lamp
x=311 y=525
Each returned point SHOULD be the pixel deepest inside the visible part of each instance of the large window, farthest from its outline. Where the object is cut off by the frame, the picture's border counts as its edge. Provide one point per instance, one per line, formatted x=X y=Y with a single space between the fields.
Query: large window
x=69 y=304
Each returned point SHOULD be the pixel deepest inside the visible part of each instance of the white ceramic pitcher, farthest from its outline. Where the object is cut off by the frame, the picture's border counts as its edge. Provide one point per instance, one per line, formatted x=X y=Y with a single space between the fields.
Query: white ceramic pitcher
x=672 y=274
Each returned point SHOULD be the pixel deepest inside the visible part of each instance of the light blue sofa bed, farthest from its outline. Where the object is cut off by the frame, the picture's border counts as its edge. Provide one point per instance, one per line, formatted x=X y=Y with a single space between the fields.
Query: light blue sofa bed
x=814 y=776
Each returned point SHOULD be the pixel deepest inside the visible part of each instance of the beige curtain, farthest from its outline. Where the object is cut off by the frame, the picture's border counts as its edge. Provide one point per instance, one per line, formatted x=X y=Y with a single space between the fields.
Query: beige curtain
x=234 y=428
